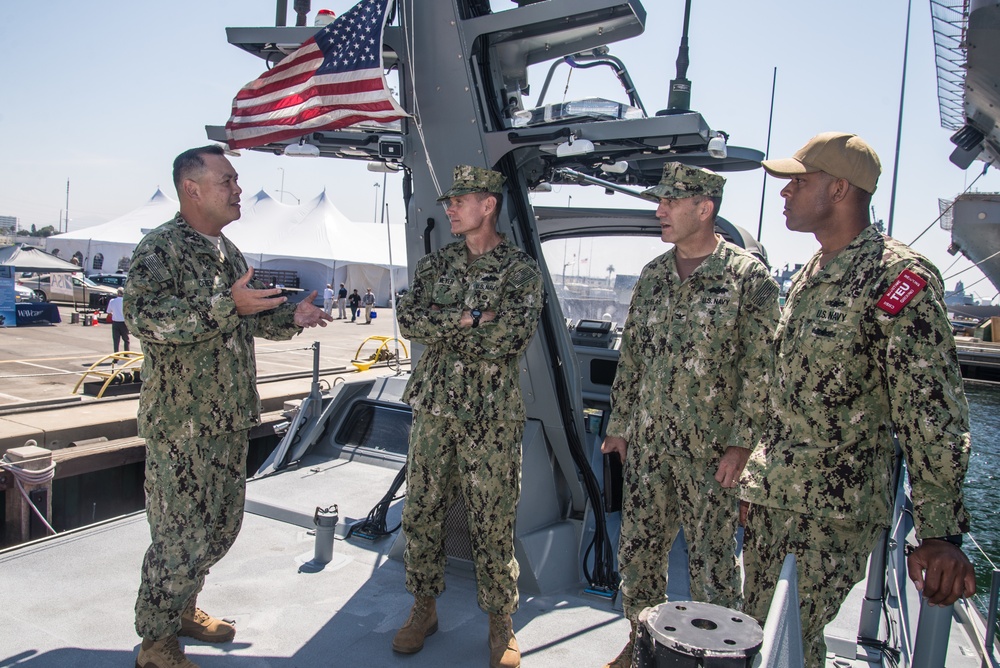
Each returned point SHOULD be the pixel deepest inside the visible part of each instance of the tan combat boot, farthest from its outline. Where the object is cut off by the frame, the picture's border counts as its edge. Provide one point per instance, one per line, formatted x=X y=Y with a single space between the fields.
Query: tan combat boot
x=504 y=652
x=624 y=659
x=197 y=624
x=422 y=622
x=163 y=653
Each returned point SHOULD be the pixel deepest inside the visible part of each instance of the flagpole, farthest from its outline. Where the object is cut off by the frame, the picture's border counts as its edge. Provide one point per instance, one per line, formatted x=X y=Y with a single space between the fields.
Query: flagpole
x=392 y=279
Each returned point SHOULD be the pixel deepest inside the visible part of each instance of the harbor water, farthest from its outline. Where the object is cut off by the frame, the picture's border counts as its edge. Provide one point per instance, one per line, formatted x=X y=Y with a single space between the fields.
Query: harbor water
x=982 y=484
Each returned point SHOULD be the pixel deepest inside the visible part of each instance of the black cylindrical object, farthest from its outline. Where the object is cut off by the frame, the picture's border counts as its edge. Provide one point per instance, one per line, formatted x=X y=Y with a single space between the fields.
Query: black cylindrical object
x=691 y=634
x=301 y=8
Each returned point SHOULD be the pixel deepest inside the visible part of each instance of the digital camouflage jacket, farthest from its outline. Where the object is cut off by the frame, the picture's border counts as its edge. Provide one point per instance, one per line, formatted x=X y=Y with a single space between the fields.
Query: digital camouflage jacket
x=695 y=362
x=200 y=373
x=466 y=373
x=848 y=374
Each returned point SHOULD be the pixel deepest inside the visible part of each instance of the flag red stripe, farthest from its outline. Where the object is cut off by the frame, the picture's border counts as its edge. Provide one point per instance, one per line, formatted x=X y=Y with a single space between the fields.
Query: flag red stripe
x=307 y=54
x=312 y=112
x=294 y=98
x=319 y=80
x=290 y=78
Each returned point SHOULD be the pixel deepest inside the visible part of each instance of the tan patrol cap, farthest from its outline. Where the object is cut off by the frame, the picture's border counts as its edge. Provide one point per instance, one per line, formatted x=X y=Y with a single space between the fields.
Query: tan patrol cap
x=469 y=179
x=680 y=181
x=839 y=154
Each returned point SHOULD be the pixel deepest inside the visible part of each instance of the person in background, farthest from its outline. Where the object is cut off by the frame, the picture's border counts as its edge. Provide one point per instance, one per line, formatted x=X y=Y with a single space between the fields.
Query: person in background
x=863 y=352
x=328 y=299
x=355 y=301
x=474 y=304
x=342 y=302
x=119 y=330
x=189 y=300
x=368 y=301
x=688 y=396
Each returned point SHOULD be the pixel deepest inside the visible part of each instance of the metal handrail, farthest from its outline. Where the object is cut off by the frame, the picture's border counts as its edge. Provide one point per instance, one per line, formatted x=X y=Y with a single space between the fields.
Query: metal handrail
x=991 y=618
x=930 y=644
x=782 y=646
x=988 y=639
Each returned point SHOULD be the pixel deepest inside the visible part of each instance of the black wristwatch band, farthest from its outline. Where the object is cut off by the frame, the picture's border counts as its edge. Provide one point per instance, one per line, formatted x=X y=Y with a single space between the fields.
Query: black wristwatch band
x=955 y=539
x=476 y=314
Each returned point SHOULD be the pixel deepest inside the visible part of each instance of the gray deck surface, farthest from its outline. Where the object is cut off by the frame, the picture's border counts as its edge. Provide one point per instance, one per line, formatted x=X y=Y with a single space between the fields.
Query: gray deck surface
x=69 y=600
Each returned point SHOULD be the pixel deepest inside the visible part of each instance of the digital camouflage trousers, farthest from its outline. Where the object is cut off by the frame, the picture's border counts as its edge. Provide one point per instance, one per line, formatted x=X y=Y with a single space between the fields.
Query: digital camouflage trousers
x=478 y=461
x=830 y=556
x=663 y=493
x=195 y=490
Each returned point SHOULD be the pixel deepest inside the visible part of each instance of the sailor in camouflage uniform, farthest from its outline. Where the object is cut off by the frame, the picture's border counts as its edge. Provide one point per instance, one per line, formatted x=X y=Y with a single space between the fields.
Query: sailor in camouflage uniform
x=688 y=395
x=474 y=304
x=187 y=298
x=863 y=350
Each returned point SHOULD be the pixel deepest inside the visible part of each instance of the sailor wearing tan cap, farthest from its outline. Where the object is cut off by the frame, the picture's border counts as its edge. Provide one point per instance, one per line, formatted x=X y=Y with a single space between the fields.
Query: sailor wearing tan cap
x=863 y=350
x=689 y=395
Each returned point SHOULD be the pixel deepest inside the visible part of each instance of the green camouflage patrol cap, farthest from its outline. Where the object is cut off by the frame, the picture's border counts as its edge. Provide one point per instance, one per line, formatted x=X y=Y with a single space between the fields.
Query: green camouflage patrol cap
x=680 y=181
x=469 y=179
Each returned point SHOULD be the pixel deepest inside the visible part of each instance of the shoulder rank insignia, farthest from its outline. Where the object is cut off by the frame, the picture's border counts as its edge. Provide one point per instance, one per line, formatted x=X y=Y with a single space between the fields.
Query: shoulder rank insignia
x=906 y=286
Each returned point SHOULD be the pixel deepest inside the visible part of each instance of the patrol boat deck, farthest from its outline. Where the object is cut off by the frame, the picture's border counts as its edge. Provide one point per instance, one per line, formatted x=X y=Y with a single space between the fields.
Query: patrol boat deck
x=69 y=598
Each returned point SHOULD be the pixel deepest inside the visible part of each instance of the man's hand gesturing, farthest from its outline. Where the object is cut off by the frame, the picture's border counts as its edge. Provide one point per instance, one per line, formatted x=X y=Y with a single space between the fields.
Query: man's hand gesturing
x=308 y=314
x=250 y=300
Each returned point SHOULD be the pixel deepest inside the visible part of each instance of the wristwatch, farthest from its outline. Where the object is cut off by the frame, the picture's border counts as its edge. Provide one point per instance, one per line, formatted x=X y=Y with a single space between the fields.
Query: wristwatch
x=476 y=315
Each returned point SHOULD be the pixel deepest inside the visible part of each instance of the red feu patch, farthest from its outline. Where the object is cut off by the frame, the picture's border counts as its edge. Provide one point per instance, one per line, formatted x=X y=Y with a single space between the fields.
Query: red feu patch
x=906 y=286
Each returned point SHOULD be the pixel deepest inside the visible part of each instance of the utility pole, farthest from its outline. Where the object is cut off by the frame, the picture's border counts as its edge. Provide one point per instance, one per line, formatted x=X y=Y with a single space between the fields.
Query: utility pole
x=67 y=207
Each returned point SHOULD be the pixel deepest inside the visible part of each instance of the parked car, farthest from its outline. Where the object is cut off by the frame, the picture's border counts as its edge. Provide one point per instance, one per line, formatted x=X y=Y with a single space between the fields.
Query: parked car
x=72 y=288
x=22 y=293
x=114 y=280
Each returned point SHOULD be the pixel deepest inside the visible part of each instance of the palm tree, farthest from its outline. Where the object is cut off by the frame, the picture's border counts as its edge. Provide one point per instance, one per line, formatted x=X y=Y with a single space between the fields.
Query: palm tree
x=610 y=270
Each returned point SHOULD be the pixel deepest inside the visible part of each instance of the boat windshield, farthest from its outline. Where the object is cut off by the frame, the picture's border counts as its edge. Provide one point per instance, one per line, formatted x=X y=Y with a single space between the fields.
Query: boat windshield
x=594 y=275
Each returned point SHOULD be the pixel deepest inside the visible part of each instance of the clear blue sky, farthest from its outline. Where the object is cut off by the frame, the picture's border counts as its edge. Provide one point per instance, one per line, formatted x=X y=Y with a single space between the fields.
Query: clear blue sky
x=105 y=94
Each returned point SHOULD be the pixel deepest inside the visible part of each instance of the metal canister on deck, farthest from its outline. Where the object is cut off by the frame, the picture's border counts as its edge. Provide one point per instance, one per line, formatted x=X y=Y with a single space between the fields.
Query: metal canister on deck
x=325 y=520
x=693 y=634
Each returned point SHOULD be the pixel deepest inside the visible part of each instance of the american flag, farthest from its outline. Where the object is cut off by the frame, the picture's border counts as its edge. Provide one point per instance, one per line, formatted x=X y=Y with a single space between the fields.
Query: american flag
x=335 y=79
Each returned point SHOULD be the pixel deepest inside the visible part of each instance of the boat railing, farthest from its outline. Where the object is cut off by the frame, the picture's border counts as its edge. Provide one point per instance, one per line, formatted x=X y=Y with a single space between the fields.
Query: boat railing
x=987 y=640
x=782 y=646
x=927 y=645
x=886 y=610
x=991 y=618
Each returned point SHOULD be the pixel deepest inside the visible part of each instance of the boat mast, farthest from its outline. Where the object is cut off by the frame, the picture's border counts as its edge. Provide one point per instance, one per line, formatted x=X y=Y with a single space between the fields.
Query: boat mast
x=899 y=122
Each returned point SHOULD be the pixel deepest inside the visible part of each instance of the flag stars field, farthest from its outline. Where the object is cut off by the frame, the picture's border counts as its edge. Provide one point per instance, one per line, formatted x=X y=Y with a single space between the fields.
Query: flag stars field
x=333 y=80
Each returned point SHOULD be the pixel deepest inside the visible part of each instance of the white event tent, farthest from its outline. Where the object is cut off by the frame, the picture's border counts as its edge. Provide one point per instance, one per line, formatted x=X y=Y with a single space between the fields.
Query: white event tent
x=106 y=247
x=313 y=239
